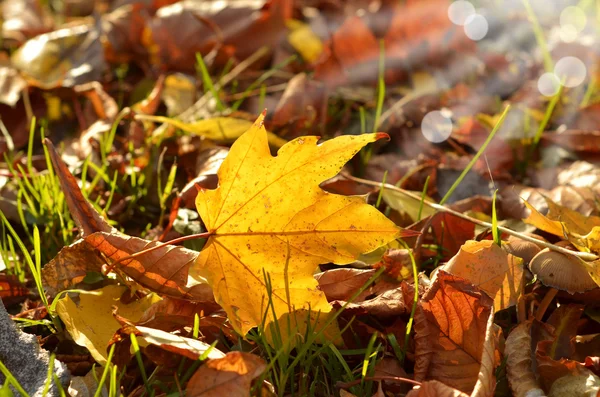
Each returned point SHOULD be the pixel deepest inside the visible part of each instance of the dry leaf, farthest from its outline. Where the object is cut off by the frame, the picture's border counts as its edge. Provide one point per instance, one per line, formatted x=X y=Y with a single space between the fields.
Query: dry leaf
x=455 y=336
x=188 y=347
x=520 y=361
x=229 y=376
x=65 y=57
x=269 y=216
x=90 y=321
x=490 y=268
x=341 y=284
x=434 y=388
x=163 y=270
x=70 y=266
x=218 y=129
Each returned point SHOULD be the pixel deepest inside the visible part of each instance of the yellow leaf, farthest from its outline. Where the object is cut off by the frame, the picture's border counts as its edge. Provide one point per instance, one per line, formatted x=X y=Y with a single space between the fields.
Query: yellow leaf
x=580 y=230
x=218 y=129
x=269 y=216
x=304 y=40
x=89 y=318
x=405 y=204
x=542 y=222
x=490 y=268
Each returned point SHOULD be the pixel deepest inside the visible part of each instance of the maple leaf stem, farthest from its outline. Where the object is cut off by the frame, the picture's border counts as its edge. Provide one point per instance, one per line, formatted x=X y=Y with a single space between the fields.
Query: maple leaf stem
x=586 y=256
x=159 y=245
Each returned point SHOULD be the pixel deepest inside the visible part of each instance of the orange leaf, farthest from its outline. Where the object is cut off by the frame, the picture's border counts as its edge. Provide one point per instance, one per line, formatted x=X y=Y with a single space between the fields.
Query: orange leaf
x=490 y=268
x=231 y=375
x=455 y=341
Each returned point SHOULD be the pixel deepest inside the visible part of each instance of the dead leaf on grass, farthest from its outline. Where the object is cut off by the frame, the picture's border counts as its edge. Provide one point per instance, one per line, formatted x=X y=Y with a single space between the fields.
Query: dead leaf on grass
x=90 y=321
x=231 y=375
x=269 y=216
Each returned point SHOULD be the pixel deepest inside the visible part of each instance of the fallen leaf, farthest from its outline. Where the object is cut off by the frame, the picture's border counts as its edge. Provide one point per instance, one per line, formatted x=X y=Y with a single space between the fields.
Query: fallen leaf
x=341 y=284
x=580 y=385
x=188 y=347
x=490 y=268
x=218 y=129
x=434 y=388
x=405 y=204
x=304 y=40
x=455 y=336
x=11 y=290
x=231 y=375
x=269 y=216
x=65 y=57
x=163 y=270
x=89 y=318
x=70 y=266
x=520 y=360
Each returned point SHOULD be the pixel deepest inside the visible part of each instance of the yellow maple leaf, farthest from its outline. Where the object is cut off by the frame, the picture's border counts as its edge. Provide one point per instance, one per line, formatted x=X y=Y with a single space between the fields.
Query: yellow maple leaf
x=269 y=215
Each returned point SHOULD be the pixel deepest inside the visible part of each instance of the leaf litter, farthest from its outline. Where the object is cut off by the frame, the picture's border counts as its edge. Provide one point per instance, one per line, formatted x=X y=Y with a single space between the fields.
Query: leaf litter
x=186 y=241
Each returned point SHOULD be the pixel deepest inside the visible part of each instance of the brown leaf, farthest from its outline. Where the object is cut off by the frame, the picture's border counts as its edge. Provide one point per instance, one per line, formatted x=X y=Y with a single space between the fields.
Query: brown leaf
x=70 y=266
x=490 y=268
x=171 y=314
x=520 y=360
x=550 y=370
x=163 y=270
x=565 y=320
x=84 y=215
x=341 y=284
x=23 y=19
x=576 y=140
x=231 y=375
x=434 y=388
x=11 y=85
x=455 y=336
x=235 y=29
x=64 y=58
x=11 y=290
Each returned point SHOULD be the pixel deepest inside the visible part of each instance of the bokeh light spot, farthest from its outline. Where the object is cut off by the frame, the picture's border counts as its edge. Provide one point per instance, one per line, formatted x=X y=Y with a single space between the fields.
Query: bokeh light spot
x=573 y=16
x=459 y=11
x=476 y=27
x=436 y=126
x=548 y=84
x=571 y=71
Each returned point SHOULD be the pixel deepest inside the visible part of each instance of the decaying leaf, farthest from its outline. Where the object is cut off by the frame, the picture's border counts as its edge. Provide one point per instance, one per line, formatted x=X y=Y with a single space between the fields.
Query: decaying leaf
x=434 y=388
x=231 y=375
x=162 y=270
x=65 y=57
x=490 y=268
x=520 y=361
x=341 y=284
x=70 y=267
x=455 y=336
x=89 y=318
x=188 y=347
x=269 y=216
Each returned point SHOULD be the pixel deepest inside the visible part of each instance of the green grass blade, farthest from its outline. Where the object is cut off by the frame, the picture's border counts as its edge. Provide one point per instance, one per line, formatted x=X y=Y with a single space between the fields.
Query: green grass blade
x=476 y=157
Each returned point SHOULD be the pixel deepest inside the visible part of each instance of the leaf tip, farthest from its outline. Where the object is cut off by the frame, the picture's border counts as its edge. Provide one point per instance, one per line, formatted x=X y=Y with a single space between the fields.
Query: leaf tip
x=381 y=135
